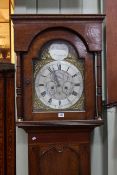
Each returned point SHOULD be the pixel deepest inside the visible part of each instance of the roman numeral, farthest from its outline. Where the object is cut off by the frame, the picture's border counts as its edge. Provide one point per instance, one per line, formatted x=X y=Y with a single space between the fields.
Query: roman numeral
x=43 y=75
x=77 y=84
x=41 y=84
x=59 y=67
x=50 y=69
x=67 y=69
x=50 y=100
x=74 y=93
x=43 y=93
x=74 y=75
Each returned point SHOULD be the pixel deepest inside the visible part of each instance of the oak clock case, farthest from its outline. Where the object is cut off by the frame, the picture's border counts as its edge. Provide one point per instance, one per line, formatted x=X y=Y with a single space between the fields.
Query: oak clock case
x=56 y=68
x=59 y=98
x=58 y=84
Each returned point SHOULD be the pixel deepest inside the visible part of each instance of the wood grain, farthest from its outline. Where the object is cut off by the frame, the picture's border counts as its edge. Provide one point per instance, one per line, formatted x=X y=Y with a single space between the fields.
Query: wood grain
x=58 y=146
x=84 y=32
x=111 y=53
x=7 y=119
x=59 y=152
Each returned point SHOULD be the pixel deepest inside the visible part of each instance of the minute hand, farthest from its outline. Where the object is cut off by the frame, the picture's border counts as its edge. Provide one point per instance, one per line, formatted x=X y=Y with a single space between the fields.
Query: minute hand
x=56 y=79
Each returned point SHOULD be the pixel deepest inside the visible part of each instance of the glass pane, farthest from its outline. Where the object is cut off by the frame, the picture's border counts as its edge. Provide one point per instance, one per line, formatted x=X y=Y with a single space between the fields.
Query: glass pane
x=4 y=35
x=48 y=6
x=12 y=44
x=4 y=4
x=4 y=15
x=4 y=41
x=25 y=6
x=74 y=6
x=4 y=11
x=20 y=6
x=91 y=6
x=57 y=6
x=30 y=6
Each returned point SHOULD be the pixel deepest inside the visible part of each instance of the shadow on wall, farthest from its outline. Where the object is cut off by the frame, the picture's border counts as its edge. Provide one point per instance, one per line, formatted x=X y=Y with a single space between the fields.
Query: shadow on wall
x=115 y=136
x=112 y=141
x=97 y=156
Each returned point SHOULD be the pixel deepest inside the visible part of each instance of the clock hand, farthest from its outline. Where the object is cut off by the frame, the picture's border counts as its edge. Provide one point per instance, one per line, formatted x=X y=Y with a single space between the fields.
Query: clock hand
x=56 y=78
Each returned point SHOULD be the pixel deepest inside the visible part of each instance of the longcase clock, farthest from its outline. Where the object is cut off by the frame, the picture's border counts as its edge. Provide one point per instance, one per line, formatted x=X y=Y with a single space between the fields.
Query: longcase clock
x=59 y=99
